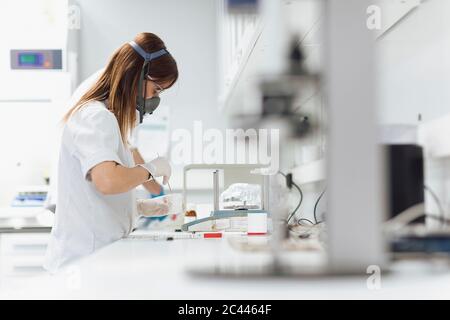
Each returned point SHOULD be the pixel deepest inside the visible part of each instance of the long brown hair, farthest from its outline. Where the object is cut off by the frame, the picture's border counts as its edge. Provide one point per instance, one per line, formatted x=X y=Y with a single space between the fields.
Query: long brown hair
x=118 y=83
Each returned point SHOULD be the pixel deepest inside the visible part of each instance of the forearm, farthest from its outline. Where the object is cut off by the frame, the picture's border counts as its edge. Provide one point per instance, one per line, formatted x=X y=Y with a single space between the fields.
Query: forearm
x=153 y=187
x=112 y=178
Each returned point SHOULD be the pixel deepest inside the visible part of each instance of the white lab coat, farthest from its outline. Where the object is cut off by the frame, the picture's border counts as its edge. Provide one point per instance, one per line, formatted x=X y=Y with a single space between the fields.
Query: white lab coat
x=50 y=201
x=85 y=219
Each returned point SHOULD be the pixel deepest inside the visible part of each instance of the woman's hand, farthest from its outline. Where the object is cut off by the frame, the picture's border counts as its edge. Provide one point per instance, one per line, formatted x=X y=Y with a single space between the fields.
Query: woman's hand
x=152 y=207
x=152 y=186
x=110 y=177
x=159 y=167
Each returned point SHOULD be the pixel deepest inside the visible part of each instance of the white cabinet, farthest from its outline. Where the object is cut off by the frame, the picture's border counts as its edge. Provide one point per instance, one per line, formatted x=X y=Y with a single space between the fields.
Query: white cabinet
x=22 y=254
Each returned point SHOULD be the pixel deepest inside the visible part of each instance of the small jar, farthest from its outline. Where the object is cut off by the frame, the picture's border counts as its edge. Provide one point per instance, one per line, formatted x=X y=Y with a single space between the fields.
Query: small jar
x=190 y=214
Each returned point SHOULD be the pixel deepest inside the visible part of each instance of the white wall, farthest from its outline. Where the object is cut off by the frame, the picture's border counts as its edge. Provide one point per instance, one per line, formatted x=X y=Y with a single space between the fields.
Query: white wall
x=414 y=66
x=189 y=31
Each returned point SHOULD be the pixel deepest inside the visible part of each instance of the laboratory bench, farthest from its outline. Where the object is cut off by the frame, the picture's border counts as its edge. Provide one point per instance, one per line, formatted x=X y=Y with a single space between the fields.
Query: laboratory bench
x=143 y=268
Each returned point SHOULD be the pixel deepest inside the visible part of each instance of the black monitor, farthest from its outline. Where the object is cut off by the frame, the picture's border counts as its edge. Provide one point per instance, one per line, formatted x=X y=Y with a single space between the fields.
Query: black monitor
x=406 y=178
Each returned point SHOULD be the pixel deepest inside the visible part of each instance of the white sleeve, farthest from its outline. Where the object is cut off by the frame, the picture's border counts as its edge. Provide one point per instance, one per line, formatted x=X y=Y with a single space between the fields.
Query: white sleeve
x=96 y=137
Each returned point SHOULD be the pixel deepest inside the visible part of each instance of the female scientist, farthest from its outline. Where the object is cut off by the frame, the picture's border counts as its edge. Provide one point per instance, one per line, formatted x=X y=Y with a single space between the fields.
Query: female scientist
x=98 y=170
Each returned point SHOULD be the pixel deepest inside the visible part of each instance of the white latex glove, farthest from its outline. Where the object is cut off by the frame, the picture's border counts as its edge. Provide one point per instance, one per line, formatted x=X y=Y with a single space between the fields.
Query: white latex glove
x=159 y=167
x=152 y=207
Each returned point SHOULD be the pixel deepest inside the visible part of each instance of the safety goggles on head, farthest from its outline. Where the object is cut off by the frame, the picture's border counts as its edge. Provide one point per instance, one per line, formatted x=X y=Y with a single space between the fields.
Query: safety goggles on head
x=145 y=105
x=159 y=89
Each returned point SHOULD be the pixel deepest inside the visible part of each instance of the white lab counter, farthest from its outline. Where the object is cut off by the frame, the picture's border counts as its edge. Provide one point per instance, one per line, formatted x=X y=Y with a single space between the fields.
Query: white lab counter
x=148 y=269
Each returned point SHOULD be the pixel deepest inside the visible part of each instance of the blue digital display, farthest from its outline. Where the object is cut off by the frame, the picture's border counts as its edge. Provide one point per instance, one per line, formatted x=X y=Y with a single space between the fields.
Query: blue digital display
x=36 y=59
x=31 y=59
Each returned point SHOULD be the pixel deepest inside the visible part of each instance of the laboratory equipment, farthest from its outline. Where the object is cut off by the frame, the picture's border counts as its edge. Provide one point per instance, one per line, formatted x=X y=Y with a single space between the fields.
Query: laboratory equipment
x=354 y=232
x=31 y=196
x=39 y=71
x=229 y=219
x=406 y=178
x=36 y=59
x=419 y=243
x=38 y=67
x=241 y=195
x=256 y=223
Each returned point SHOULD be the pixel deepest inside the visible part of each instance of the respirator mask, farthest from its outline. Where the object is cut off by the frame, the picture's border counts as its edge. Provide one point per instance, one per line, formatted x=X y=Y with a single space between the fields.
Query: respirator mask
x=145 y=105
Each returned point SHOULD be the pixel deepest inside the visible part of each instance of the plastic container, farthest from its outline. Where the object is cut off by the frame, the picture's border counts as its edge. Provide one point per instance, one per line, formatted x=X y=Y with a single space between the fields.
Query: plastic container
x=257 y=223
x=172 y=220
x=174 y=201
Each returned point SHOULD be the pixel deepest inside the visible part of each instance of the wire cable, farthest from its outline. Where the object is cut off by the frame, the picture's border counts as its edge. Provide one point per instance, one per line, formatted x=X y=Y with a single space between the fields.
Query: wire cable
x=299 y=203
x=299 y=221
x=438 y=203
x=315 y=207
x=301 y=197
